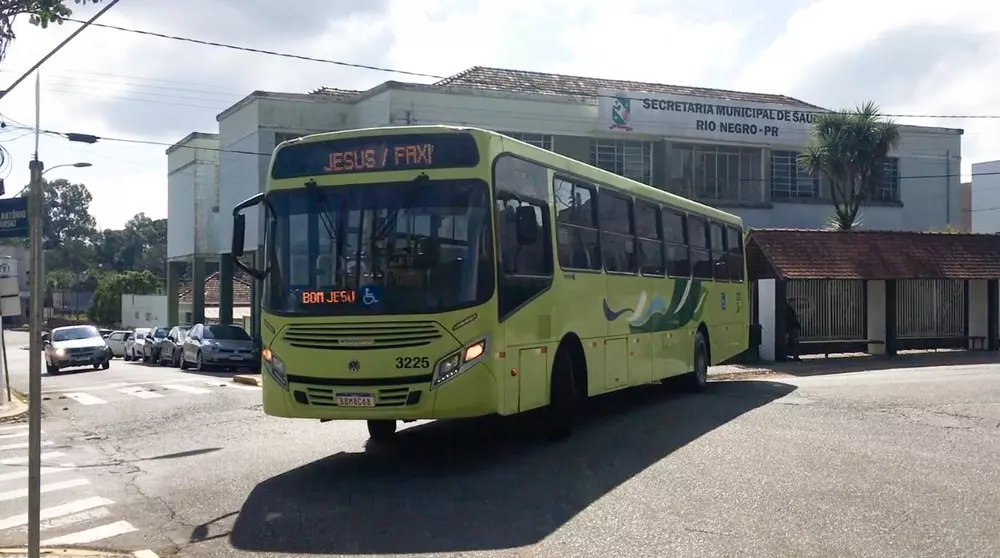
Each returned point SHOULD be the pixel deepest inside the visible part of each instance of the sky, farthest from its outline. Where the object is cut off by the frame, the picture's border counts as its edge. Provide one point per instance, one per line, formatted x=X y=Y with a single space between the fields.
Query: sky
x=911 y=57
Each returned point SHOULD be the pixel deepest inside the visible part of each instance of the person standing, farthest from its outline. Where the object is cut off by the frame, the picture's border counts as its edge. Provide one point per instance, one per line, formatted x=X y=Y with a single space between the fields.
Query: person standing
x=792 y=329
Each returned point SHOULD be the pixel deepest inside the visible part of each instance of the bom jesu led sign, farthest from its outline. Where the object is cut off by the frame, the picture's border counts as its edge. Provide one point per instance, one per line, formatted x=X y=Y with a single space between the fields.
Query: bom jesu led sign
x=375 y=153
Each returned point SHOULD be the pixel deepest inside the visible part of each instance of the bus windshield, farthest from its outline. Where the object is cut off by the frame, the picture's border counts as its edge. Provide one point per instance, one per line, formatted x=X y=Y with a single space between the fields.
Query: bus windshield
x=398 y=248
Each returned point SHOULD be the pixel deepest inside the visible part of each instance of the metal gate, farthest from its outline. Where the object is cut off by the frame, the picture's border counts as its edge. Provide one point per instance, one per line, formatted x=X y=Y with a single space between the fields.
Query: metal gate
x=930 y=309
x=829 y=309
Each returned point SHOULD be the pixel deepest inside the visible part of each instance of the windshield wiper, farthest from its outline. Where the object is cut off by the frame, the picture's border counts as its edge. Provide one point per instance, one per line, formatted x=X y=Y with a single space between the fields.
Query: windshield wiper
x=420 y=185
x=327 y=212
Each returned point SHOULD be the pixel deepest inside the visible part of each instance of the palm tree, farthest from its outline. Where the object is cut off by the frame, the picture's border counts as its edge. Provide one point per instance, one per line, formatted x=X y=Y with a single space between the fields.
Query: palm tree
x=850 y=149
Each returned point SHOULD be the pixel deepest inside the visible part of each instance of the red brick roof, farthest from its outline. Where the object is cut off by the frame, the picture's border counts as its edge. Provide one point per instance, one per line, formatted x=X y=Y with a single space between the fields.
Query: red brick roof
x=870 y=254
x=241 y=291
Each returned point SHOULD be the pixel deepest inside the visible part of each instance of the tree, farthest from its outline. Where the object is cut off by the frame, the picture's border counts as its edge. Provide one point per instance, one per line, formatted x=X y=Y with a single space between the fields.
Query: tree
x=850 y=149
x=39 y=12
x=106 y=304
x=67 y=212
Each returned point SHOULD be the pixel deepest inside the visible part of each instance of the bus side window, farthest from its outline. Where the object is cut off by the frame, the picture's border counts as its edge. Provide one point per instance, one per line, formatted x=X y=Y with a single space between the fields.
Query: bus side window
x=720 y=260
x=734 y=243
x=701 y=255
x=576 y=225
x=617 y=232
x=525 y=271
x=675 y=239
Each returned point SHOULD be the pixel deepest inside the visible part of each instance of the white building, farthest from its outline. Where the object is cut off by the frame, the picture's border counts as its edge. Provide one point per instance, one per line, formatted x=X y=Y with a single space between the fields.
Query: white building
x=729 y=149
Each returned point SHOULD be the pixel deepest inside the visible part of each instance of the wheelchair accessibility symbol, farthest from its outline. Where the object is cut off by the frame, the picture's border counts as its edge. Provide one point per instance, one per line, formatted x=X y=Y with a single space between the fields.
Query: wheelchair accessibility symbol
x=370 y=295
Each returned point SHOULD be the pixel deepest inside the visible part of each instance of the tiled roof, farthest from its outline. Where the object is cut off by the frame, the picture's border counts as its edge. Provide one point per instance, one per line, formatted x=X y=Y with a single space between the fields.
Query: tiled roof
x=338 y=94
x=871 y=254
x=241 y=291
x=521 y=81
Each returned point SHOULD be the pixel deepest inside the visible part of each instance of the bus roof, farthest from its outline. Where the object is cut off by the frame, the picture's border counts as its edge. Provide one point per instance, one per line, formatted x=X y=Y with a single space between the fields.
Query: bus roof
x=538 y=155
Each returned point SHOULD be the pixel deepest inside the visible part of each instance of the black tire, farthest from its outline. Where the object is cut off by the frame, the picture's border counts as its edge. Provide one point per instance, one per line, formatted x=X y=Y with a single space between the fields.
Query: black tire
x=696 y=380
x=184 y=363
x=52 y=370
x=382 y=431
x=199 y=363
x=97 y=366
x=106 y=365
x=175 y=360
x=564 y=398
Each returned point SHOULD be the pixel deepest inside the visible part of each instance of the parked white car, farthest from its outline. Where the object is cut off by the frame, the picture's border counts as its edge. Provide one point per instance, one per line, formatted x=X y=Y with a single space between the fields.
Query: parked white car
x=134 y=344
x=116 y=341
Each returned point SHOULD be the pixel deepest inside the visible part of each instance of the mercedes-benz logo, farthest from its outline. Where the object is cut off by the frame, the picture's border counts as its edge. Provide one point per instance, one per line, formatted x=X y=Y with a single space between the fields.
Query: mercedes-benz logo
x=354 y=366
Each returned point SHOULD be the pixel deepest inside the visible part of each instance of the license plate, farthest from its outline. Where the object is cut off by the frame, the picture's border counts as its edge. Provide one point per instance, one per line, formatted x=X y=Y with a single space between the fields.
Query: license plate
x=355 y=400
x=236 y=357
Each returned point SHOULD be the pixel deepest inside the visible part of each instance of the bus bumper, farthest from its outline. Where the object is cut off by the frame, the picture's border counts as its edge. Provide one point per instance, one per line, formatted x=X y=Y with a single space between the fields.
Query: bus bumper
x=471 y=394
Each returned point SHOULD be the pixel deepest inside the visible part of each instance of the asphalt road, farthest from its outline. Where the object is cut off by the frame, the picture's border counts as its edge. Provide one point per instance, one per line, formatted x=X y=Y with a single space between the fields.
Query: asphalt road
x=883 y=463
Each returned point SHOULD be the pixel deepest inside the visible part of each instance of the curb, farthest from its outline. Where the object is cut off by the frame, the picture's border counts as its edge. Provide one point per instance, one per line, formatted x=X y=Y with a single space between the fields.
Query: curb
x=247 y=379
x=79 y=552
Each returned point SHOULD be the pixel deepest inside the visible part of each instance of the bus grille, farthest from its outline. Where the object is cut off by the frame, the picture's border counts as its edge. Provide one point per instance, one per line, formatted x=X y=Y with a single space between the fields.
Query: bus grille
x=362 y=336
x=388 y=397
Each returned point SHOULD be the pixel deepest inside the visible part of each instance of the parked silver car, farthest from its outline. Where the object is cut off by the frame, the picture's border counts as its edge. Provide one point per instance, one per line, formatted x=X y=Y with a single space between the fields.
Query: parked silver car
x=74 y=346
x=223 y=346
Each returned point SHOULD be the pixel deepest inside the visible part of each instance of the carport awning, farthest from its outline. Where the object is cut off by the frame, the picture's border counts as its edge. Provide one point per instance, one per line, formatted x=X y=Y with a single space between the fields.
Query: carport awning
x=871 y=254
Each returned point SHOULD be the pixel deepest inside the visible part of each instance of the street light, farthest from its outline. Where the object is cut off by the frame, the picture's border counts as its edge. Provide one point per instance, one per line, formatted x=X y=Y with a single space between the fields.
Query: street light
x=81 y=165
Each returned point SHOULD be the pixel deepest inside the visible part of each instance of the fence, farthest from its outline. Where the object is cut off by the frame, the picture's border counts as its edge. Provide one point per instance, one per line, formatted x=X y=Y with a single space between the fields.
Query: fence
x=829 y=310
x=930 y=309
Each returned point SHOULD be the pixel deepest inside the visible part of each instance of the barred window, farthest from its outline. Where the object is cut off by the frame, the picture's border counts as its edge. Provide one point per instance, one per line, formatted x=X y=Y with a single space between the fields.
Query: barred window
x=538 y=140
x=888 y=188
x=788 y=180
x=628 y=158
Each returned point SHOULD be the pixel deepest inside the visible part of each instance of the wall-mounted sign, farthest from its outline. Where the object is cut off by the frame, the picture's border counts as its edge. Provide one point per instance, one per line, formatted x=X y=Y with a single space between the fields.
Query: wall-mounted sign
x=704 y=118
x=13 y=217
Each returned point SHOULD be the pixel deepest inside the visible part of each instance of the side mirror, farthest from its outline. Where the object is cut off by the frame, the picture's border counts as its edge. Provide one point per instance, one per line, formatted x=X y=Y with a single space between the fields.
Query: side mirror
x=239 y=234
x=527 y=226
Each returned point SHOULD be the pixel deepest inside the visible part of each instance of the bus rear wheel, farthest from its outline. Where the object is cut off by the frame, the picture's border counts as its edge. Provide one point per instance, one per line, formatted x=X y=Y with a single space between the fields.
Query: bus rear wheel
x=695 y=380
x=382 y=430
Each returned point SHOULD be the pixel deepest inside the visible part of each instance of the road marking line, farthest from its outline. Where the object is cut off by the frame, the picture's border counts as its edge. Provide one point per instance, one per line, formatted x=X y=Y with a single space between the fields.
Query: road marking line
x=24 y=460
x=56 y=511
x=232 y=385
x=187 y=389
x=145 y=554
x=58 y=390
x=90 y=515
x=22 y=492
x=45 y=471
x=23 y=445
x=85 y=398
x=15 y=427
x=20 y=434
x=141 y=393
x=91 y=535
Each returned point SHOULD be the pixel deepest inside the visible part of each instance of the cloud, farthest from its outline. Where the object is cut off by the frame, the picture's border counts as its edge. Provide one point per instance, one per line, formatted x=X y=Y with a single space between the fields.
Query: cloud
x=936 y=58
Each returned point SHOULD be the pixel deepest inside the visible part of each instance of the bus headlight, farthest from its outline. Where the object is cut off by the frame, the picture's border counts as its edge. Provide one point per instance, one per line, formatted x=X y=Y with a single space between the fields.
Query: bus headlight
x=275 y=368
x=459 y=362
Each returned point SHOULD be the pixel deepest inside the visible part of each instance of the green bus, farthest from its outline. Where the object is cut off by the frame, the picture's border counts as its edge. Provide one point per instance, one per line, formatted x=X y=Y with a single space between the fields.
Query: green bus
x=431 y=272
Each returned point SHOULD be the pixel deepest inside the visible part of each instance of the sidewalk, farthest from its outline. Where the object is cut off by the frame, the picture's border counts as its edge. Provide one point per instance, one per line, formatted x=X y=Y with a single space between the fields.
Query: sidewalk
x=16 y=409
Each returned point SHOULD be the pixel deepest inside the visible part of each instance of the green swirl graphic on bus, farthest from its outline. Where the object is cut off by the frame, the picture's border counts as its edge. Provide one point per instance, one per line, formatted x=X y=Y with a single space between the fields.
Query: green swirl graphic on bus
x=687 y=304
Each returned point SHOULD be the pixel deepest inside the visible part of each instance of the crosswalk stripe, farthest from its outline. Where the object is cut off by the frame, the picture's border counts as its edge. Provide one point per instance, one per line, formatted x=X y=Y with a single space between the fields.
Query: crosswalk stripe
x=141 y=393
x=85 y=398
x=187 y=389
x=56 y=511
x=23 y=445
x=14 y=427
x=45 y=471
x=57 y=522
x=91 y=535
x=22 y=492
x=24 y=460
x=233 y=385
x=20 y=434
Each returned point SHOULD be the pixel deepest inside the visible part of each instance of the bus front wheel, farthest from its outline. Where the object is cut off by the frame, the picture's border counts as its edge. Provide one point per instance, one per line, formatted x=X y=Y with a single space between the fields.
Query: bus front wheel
x=382 y=430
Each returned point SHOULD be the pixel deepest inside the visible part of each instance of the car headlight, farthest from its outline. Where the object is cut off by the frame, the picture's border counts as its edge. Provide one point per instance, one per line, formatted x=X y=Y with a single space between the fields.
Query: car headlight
x=275 y=368
x=60 y=352
x=210 y=347
x=458 y=362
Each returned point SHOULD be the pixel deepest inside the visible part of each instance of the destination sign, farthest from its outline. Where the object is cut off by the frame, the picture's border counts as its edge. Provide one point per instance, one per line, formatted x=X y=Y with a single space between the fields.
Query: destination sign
x=375 y=153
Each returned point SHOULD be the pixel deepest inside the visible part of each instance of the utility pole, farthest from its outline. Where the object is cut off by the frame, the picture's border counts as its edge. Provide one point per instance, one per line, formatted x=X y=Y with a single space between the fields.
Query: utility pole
x=36 y=300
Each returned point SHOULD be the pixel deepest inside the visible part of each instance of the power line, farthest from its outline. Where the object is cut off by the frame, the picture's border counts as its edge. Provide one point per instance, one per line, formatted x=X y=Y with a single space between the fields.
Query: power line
x=260 y=50
x=356 y=65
